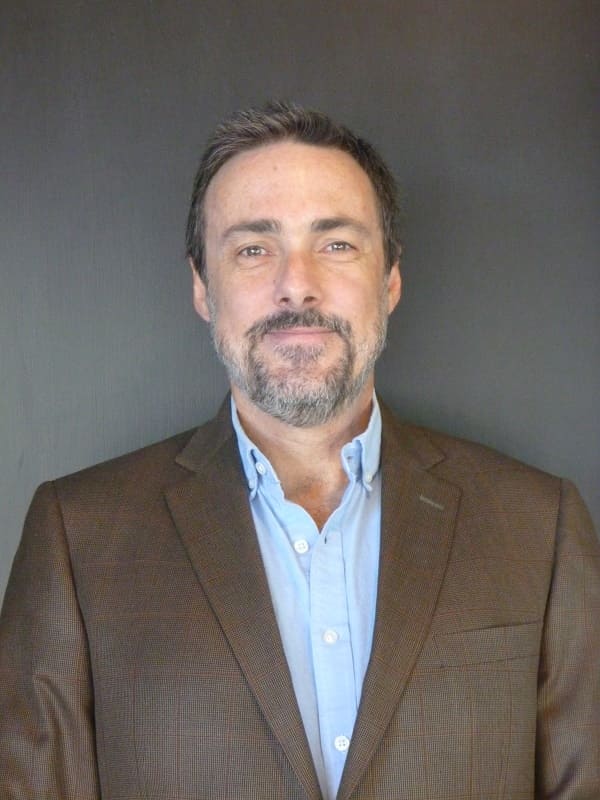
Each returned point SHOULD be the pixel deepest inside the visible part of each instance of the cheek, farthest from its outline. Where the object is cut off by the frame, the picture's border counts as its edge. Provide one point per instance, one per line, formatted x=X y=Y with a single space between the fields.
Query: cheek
x=367 y=305
x=232 y=319
x=249 y=304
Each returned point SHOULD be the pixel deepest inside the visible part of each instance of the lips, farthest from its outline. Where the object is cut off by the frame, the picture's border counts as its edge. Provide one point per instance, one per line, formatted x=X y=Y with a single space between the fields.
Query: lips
x=300 y=331
x=294 y=325
x=299 y=336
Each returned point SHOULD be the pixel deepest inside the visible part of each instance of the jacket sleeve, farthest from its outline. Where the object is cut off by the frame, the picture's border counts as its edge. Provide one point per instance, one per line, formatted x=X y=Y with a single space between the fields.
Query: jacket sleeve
x=568 y=737
x=47 y=742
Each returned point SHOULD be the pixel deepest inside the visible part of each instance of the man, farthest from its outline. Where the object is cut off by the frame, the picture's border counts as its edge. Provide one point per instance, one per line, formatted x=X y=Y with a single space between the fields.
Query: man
x=303 y=598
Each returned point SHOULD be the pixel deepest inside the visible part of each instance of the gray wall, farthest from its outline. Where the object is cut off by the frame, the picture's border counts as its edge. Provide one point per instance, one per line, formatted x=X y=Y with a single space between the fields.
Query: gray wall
x=485 y=110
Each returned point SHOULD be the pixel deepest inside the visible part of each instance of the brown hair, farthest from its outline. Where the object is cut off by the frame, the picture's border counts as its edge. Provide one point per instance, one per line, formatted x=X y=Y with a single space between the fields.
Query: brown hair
x=275 y=122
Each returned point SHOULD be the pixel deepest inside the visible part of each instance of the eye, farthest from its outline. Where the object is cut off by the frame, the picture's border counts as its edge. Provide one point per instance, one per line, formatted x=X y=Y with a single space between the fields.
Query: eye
x=252 y=250
x=339 y=247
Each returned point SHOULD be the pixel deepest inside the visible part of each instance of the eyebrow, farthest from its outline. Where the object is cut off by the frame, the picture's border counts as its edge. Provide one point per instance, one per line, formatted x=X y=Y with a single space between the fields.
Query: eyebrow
x=252 y=226
x=332 y=223
x=266 y=225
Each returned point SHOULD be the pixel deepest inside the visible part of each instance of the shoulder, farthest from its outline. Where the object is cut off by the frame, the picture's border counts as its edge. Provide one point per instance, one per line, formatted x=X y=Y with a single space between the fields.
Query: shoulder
x=146 y=472
x=483 y=474
x=107 y=509
x=503 y=503
x=146 y=467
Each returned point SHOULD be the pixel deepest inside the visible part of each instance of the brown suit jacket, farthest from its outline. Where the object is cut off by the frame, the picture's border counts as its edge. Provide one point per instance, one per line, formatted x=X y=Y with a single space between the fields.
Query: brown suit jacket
x=140 y=656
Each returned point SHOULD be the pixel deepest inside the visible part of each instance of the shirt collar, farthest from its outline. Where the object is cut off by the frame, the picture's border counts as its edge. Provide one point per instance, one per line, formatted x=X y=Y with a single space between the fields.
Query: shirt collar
x=360 y=457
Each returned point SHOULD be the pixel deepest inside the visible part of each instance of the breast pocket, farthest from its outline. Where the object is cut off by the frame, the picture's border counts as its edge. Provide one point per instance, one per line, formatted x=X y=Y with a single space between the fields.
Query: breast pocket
x=508 y=645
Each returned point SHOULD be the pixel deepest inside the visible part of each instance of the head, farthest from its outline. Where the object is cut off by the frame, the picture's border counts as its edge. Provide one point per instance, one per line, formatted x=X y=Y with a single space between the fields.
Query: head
x=294 y=256
x=276 y=122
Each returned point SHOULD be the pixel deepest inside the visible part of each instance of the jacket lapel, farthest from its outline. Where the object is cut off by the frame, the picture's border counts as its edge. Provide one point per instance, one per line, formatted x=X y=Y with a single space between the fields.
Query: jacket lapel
x=212 y=515
x=418 y=517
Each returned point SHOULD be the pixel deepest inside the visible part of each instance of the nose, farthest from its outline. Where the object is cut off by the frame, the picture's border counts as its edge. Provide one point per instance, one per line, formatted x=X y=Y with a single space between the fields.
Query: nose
x=297 y=283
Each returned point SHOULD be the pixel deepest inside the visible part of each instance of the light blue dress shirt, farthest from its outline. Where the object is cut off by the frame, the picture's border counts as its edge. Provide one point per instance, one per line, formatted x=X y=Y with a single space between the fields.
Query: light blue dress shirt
x=324 y=588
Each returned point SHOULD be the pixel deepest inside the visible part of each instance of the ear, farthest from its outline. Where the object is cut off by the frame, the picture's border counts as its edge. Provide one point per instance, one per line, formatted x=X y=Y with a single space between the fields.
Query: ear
x=199 y=293
x=394 y=286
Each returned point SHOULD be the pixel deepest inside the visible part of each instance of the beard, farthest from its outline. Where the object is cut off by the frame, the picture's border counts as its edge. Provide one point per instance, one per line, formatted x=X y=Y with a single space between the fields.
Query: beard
x=298 y=391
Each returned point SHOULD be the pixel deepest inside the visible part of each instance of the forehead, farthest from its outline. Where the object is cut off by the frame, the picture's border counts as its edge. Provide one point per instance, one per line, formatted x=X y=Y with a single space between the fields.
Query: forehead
x=290 y=178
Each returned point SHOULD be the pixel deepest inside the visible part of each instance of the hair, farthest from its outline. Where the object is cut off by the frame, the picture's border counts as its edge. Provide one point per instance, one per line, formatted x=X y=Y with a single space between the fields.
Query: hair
x=276 y=122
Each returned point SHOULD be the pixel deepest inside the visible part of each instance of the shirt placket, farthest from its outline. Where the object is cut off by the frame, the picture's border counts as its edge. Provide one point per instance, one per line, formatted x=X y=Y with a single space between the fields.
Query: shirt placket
x=332 y=648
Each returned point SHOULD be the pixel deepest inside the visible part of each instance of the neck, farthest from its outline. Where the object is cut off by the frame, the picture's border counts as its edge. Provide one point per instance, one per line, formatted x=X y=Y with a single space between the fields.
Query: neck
x=307 y=460
x=275 y=437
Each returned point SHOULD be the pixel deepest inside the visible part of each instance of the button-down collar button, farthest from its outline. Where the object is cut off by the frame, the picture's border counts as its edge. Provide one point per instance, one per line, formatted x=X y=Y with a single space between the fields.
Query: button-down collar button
x=301 y=546
x=341 y=743
x=368 y=477
x=260 y=468
x=330 y=636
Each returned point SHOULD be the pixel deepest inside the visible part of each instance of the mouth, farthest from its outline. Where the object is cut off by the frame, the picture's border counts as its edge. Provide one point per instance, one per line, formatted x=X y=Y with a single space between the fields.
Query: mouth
x=305 y=329
x=299 y=335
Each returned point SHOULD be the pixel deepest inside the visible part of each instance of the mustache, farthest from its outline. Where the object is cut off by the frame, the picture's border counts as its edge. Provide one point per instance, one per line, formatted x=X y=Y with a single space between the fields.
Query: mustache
x=309 y=318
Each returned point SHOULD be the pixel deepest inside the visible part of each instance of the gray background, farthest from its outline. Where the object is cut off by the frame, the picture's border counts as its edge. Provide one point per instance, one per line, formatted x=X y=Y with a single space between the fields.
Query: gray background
x=484 y=109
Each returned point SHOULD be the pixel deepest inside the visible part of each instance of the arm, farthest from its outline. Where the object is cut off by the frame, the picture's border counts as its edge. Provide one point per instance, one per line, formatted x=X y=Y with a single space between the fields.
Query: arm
x=568 y=739
x=47 y=743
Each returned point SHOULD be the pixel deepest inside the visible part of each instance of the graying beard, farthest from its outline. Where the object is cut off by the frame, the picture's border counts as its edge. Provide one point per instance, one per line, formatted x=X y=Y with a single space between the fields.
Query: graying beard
x=295 y=405
x=278 y=397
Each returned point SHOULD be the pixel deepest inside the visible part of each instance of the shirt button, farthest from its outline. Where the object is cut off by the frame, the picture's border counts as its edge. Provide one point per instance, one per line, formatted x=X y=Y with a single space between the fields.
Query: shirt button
x=330 y=636
x=260 y=468
x=341 y=743
x=301 y=546
x=369 y=477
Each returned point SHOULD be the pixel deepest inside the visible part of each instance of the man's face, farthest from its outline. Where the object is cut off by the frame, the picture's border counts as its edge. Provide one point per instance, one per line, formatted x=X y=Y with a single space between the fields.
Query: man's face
x=297 y=296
